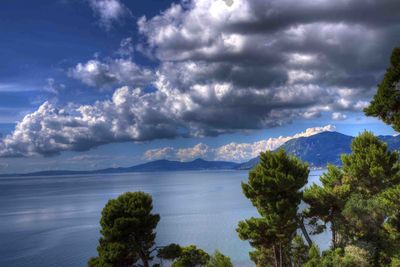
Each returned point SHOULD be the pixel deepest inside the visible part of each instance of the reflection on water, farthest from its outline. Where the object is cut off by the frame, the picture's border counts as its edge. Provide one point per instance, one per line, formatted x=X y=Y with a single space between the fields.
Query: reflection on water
x=53 y=221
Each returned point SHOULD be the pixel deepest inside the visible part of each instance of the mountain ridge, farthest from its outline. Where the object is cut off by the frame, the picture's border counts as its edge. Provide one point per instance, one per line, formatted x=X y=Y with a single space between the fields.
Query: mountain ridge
x=322 y=148
x=152 y=166
x=318 y=150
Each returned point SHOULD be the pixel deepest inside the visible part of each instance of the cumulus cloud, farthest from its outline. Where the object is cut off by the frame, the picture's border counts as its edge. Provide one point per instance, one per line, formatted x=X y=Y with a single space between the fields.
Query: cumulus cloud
x=111 y=72
x=238 y=152
x=109 y=11
x=262 y=58
x=131 y=115
x=338 y=116
x=222 y=67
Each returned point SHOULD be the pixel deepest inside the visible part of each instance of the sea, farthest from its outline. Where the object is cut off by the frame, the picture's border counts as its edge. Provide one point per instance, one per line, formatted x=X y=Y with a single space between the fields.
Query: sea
x=54 y=221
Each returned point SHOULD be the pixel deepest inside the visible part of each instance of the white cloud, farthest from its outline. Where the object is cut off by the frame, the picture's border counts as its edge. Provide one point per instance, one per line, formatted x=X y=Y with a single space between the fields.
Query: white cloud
x=238 y=152
x=126 y=48
x=88 y=157
x=338 y=116
x=105 y=74
x=53 y=87
x=223 y=67
x=109 y=11
x=130 y=115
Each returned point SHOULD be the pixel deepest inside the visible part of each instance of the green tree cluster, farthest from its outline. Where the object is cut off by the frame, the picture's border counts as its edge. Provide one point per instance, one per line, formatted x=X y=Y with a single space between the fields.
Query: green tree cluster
x=128 y=238
x=127 y=229
x=386 y=102
x=360 y=203
x=274 y=188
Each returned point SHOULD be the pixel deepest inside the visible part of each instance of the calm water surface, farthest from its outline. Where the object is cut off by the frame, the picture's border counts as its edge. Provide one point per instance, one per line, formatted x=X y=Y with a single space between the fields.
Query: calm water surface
x=54 y=221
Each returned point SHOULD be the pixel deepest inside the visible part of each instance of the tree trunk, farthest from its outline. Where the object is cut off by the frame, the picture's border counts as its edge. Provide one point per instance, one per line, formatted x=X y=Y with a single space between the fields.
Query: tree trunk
x=144 y=259
x=334 y=237
x=304 y=231
x=145 y=262
x=275 y=256
x=280 y=255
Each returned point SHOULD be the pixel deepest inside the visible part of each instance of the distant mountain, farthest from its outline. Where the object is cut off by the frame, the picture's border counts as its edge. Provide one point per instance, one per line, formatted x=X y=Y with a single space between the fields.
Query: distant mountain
x=158 y=165
x=198 y=164
x=248 y=164
x=323 y=148
x=318 y=150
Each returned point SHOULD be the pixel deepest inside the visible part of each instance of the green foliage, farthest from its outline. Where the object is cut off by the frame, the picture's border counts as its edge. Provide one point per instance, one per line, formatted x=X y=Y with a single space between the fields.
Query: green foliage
x=314 y=257
x=191 y=256
x=274 y=188
x=371 y=167
x=127 y=229
x=170 y=252
x=395 y=262
x=370 y=171
x=219 y=260
x=390 y=200
x=360 y=201
x=364 y=217
x=386 y=106
x=262 y=257
x=299 y=251
x=357 y=256
x=386 y=102
x=326 y=202
x=351 y=256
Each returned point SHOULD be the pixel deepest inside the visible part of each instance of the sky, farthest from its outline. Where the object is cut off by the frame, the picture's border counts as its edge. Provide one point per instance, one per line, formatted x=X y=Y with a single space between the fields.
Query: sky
x=88 y=84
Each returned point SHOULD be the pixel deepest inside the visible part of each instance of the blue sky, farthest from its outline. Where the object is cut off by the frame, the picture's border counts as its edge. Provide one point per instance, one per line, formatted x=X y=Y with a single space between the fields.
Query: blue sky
x=98 y=83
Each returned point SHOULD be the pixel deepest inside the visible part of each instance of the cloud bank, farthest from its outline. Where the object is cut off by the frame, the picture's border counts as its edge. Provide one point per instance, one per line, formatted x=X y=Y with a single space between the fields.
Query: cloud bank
x=222 y=67
x=131 y=115
x=111 y=72
x=238 y=152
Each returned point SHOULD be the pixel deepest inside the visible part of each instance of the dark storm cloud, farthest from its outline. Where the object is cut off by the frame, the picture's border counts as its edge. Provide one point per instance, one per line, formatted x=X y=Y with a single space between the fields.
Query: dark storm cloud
x=350 y=39
x=224 y=66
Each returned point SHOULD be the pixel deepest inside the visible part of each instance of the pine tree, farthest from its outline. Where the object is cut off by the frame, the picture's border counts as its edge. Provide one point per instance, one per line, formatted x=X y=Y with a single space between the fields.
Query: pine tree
x=386 y=106
x=386 y=102
x=326 y=202
x=127 y=229
x=219 y=260
x=170 y=252
x=359 y=201
x=299 y=251
x=274 y=188
x=390 y=200
x=371 y=167
x=314 y=257
x=191 y=256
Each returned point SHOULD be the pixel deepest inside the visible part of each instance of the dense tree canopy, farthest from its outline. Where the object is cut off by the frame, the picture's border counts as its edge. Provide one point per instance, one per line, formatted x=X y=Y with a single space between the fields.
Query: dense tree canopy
x=128 y=231
x=326 y=202
x=191 y=256
x=128 y=238
x=360 y=202
x=219 y=260
x=274 y=188
x=386 y=102
x=170 y=252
